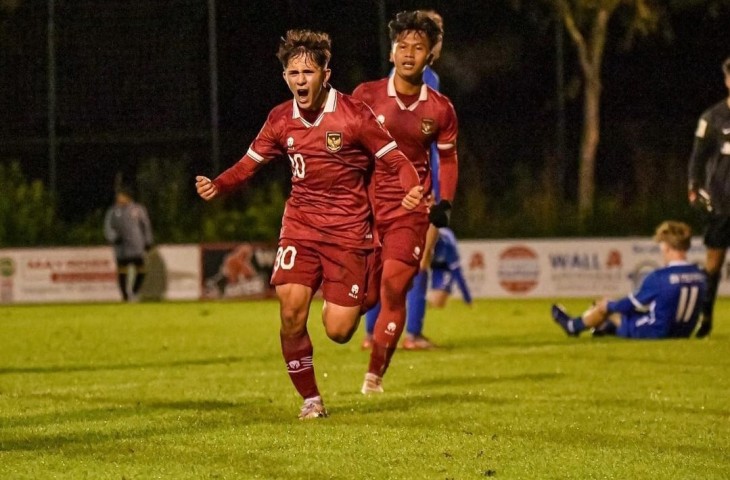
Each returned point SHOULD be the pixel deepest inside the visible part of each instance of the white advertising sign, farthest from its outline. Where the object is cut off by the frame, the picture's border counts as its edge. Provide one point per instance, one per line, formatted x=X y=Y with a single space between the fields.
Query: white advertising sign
x=563 y=268
x=88 y=274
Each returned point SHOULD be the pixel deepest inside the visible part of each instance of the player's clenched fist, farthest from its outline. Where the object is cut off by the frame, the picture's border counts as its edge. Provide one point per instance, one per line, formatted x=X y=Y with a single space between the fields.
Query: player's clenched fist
x=413 y=198
x=205 y=187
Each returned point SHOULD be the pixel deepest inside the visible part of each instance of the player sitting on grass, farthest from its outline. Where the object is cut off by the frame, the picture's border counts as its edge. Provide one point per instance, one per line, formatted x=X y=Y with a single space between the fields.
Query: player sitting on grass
x=666 y=305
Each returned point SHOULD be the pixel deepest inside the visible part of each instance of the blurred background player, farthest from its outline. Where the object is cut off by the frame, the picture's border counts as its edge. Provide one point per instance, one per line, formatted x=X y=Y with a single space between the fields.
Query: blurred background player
x=127 y=227
x=416 y=297
x=666 y=305
x=417 y=116
x=326 y=236
x=709 y=186
x=446 y=270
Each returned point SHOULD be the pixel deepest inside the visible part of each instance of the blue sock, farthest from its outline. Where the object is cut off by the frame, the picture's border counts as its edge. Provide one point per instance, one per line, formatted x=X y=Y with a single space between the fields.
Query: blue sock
x=576 y=324
x=416 y=304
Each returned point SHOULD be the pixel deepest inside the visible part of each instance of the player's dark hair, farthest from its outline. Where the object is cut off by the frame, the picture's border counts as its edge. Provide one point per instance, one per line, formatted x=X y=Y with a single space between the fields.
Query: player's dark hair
x=416 y=21
x=316 y=46
x=726 y=66
x=678 y=235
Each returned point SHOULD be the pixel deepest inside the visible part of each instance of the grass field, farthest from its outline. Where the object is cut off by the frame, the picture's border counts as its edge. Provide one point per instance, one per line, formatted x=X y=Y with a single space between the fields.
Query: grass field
x=199 y=390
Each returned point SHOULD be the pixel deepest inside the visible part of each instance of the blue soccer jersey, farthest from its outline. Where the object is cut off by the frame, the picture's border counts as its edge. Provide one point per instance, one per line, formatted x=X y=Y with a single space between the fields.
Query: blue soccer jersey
x=666 y=305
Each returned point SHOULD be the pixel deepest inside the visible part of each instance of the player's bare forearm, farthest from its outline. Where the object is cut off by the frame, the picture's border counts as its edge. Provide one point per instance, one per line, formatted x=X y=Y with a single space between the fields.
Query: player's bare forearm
x=432 y=236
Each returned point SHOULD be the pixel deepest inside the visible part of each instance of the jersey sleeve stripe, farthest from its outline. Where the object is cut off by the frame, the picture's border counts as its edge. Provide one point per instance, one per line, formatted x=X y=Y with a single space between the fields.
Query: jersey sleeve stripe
x=391 y=146
x=445 y=146
x=638 y=305
x=258 y=158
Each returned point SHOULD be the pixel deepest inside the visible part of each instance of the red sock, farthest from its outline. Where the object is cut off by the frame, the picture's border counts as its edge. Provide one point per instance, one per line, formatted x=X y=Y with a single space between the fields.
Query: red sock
x=391 y=321
x=386 y=333
x=298 y=354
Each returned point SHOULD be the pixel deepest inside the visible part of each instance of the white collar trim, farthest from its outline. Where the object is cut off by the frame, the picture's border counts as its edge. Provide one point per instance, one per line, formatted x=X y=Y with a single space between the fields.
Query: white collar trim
x=329 y=106
x=422 y=97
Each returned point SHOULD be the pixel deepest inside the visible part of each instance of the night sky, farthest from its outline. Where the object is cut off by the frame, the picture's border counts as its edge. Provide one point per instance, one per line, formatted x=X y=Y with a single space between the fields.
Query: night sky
x=133 y=81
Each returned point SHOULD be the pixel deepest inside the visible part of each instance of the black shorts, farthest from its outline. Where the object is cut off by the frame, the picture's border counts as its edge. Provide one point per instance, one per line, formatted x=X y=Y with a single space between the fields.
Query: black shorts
x=717 y=234
x=125 y=262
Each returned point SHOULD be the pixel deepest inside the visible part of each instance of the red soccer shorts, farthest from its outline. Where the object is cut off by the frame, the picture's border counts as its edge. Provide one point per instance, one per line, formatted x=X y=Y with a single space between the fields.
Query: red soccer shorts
x=340 y=271
x=404 y=238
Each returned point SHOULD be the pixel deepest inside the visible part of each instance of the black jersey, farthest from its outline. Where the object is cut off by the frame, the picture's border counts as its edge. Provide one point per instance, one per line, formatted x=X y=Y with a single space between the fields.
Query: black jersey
x=709 y=165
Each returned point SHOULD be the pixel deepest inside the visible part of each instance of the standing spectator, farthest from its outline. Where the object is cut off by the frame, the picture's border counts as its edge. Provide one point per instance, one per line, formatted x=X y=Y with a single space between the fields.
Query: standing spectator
x=666 y=305
x=330 y=140
x=417 y=116
x=709 y=186
x=127 y=227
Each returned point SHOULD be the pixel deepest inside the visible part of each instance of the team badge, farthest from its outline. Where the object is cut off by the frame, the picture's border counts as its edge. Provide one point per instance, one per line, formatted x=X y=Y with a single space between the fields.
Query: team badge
x=334 y=141
x=427 y=126
x=381 y=119
x=290 y=142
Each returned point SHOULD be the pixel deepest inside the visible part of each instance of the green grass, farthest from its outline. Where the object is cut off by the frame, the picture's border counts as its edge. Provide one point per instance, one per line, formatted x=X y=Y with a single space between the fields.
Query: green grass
x=199 y=390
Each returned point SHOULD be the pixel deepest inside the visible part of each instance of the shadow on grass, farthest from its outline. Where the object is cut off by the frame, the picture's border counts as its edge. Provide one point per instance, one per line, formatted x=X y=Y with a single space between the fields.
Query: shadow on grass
x=121 y=366
x=568 y=438
x=123 y=423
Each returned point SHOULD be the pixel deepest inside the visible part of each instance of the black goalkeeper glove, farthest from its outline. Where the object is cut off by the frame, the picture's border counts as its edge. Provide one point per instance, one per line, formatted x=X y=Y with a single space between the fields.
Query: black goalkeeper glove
x=440 y=214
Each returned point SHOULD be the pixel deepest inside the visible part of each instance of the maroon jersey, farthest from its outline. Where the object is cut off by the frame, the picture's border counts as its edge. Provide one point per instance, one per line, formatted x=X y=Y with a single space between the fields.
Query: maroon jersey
x=331 y=160
x=415 y=127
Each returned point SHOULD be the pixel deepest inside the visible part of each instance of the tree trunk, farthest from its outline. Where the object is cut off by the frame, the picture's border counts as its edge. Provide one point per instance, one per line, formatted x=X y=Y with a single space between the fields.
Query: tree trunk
x=589 y=146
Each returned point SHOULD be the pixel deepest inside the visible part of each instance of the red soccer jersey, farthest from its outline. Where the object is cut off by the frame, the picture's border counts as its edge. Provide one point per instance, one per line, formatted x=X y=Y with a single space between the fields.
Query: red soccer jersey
x=331 y=160
x=415 y=127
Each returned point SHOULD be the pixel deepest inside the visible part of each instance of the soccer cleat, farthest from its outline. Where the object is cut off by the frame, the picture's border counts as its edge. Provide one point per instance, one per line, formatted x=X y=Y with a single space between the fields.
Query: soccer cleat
x=705 y=328
x=562 y=318
x=372 y=384
x=313 y=408
x=417 y=342
x=367 y=342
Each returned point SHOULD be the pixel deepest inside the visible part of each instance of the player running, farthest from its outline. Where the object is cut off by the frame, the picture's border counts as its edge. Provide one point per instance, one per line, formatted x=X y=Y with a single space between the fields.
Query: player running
x=416 y=116
x=326 y=235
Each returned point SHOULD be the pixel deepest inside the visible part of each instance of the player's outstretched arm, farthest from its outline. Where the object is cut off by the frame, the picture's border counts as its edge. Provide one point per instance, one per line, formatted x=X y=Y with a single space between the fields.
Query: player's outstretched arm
x=206 y=188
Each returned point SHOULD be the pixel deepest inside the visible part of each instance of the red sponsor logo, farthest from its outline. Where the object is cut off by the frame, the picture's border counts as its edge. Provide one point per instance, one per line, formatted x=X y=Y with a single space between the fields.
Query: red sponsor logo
x=519 y=270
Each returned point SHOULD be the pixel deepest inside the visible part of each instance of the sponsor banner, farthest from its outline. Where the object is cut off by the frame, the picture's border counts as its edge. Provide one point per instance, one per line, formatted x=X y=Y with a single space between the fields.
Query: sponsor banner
x=564 y=268
x=237 y=270
x=173 y=273
x=520 y=268
x=58 y=275
x=88 y=274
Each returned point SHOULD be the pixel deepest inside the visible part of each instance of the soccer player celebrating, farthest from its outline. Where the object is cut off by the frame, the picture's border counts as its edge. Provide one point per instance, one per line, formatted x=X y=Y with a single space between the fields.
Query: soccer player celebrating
x=416 y=116
x=417 y=295
x=710 y=187
x=666 y=305
x=326 y=235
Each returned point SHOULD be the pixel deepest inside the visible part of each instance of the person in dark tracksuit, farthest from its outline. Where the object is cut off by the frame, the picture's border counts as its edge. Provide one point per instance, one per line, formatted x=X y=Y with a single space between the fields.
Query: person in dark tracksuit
x=709 y=187
x=127 y=227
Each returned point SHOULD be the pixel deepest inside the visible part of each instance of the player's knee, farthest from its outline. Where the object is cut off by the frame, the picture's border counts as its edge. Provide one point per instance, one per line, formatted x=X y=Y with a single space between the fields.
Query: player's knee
x=293 y=320
x=394 y=291
x=340 y=333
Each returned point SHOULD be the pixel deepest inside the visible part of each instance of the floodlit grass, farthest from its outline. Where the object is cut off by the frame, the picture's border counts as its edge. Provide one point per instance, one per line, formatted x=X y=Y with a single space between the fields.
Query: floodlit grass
x=199 y=390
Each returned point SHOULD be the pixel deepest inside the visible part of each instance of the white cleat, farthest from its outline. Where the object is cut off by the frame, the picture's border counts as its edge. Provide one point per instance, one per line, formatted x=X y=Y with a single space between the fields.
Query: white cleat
x=372 y=384
x=313 y=408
